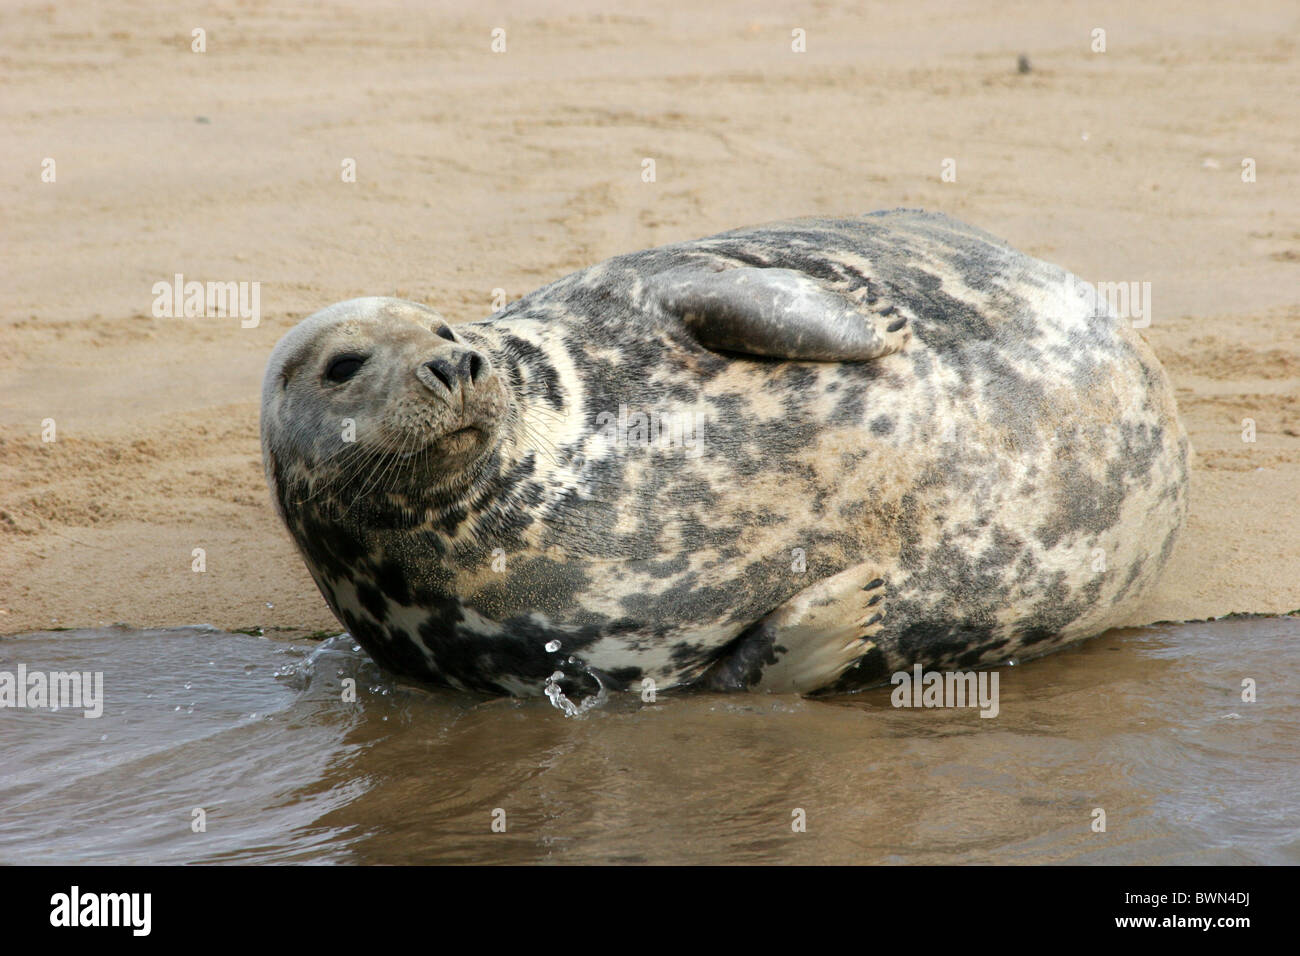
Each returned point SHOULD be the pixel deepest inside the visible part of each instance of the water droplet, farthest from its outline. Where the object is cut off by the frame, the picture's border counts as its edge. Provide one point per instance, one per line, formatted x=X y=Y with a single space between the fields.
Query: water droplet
x=552 y=646
x=561 y=702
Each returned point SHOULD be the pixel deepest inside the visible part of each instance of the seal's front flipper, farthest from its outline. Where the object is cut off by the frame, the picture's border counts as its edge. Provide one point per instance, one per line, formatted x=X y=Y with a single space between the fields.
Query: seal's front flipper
x=809 y=641
x=777 y=313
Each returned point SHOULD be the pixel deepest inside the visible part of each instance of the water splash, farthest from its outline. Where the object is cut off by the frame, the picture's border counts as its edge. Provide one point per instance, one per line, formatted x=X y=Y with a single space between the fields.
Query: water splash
x=562 y=703
x=321 y=671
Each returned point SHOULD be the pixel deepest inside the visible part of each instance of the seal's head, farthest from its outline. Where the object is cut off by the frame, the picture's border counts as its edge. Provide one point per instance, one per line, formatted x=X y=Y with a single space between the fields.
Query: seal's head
x=380 y=399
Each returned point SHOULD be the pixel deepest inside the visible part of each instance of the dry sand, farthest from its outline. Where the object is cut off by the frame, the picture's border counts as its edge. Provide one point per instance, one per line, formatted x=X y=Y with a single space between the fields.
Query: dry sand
x=478 y=171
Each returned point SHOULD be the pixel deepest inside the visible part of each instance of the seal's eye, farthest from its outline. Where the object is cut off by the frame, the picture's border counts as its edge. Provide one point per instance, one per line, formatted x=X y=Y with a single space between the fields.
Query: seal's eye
x=344 y=367
x=447 y=333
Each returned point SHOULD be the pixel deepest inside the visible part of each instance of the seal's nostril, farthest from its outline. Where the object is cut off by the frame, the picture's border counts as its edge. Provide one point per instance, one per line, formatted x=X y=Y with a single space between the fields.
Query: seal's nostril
x=442 y=370
x=472 y=366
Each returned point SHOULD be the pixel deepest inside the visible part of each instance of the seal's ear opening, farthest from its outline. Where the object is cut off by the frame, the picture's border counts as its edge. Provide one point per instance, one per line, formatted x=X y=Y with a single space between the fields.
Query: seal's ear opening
x=777 y=313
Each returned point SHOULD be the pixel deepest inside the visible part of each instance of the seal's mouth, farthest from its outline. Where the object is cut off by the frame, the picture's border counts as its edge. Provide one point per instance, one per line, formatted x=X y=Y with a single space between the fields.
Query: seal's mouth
x=458 y=441
x=449 y=443
x=469 y=434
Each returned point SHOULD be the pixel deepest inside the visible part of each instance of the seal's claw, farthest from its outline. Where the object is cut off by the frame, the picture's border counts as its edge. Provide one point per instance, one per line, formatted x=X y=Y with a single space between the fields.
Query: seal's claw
x=808 y=642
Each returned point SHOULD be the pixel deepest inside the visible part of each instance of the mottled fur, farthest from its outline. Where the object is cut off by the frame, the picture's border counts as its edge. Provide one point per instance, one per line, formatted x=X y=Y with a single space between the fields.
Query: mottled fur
x=979 y=469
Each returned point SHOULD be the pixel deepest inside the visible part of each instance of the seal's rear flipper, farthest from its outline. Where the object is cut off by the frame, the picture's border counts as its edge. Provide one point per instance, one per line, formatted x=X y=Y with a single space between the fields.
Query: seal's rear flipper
x=809 y=641
x=777 y=313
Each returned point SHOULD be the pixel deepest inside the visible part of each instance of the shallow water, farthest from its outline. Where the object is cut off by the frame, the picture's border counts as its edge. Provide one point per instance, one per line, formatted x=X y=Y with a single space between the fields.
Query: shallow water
x=1148 y=725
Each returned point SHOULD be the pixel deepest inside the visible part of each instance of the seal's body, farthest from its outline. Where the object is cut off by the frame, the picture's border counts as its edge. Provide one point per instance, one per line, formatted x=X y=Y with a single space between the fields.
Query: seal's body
x=796 y=457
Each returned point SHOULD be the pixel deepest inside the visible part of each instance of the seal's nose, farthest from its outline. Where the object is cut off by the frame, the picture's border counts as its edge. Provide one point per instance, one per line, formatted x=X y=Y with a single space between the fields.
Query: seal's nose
x=460 y=368
x=472 y=366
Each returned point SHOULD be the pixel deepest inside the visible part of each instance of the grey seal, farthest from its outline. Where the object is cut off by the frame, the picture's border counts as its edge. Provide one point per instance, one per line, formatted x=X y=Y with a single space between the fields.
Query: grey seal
x=796 y=457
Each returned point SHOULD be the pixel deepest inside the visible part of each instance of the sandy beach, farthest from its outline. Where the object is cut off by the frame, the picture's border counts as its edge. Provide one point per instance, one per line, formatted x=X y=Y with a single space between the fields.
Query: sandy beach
x=1167 y=159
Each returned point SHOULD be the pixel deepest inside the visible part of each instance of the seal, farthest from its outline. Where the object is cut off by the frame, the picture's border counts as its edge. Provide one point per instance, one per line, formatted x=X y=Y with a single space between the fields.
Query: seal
x=797 y=457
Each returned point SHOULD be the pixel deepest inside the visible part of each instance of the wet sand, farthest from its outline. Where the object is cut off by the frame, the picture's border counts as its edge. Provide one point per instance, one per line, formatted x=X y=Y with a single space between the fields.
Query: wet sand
x=478 y=171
